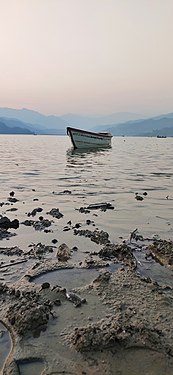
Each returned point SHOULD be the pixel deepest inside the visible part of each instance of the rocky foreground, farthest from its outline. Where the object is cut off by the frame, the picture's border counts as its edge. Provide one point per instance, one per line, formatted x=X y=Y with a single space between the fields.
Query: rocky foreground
x=138 y=310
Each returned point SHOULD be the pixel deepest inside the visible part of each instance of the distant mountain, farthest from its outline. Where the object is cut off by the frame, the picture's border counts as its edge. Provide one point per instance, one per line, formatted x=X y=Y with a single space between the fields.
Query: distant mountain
x=42 y=124
x=4 y=129
x=25 y=121
x=37 y=129
x=142 y=127
x=96 y=123
x=32 y=117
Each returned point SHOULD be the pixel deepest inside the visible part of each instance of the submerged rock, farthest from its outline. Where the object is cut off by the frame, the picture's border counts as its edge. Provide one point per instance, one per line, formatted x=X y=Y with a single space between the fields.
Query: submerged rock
x=15 y=250
x=97 y=206
x=100 y=237
x=6 y=223
x=121 y=252
x=40 y=224
x=4 y=234
x=55 y=213
x=39 y=250
x=35 y=211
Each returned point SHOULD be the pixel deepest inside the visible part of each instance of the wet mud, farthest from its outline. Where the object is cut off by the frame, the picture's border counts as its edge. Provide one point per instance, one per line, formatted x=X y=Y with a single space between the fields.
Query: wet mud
x=77 y=309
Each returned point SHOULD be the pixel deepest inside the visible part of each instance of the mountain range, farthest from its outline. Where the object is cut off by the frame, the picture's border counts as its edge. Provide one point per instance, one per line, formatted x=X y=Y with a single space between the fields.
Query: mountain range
x=25 y=121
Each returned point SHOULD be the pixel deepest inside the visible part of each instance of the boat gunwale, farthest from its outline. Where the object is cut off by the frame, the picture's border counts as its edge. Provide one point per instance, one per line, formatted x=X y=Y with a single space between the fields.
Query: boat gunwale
x=104 y=134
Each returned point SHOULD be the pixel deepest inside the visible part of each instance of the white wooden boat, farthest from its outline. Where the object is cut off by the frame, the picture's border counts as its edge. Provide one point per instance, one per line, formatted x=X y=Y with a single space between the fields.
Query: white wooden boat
x=86 y=139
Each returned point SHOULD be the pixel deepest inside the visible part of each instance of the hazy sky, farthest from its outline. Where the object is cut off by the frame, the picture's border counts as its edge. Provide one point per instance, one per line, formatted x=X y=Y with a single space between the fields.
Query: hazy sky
x=87 y=56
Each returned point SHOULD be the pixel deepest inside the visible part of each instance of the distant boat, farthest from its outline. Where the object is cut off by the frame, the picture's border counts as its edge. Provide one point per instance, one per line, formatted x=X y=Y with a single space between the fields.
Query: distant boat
x=161 y=136
x=85 y=139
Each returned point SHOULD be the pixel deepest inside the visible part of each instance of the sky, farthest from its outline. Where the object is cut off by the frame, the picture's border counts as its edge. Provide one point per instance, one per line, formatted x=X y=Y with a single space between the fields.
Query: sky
x=87 y=56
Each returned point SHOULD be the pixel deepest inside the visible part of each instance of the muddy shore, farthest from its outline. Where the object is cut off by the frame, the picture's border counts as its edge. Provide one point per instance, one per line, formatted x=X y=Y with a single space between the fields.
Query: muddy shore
x=118 y=309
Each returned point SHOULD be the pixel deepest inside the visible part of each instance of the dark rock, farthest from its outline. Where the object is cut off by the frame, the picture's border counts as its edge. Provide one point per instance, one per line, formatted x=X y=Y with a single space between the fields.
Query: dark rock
x=57 y=302
x=104 y=206
x=13 y=200
x=122 y=252
x=100 y=237
x=45 y=285
x=6 y=223
x=14 y=224
x=55 y=213
x=34 y=211
x=54 y=240
x=66 y=192
x=74 y=248
x=138 y=197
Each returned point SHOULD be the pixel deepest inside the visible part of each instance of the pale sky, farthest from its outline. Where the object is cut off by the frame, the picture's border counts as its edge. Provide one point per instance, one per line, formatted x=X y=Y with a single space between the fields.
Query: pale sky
x=87 y=56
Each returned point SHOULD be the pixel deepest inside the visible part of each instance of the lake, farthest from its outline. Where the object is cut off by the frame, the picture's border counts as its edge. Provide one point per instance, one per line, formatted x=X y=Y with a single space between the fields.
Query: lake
x=49 y=165
x=45 y=172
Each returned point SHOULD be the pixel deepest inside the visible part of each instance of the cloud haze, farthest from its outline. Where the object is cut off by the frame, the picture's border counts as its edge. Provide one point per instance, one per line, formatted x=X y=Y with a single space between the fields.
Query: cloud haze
x=87 y=56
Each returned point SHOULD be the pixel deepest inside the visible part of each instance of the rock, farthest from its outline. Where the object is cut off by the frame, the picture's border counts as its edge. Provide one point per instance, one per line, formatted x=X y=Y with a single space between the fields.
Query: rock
x=66 y=192
x=34 y=211
x=74 y=298
x=39 y=250
x=63 y=252
x=6 y=223
x=138 y=197
x=55 y=213
x=122 y=252
x=45 y=285
x=54 y=240
x=103 y=206
x=14 y=224
x=13 y=200
x=38 y=224
x=15 y=250
x=100 y=237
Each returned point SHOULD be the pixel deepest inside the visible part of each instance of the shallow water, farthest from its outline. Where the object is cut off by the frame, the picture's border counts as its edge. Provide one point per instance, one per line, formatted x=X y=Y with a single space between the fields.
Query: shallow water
x=5 y=344
x=48 y=164
x=40 y=169
x=69 y=278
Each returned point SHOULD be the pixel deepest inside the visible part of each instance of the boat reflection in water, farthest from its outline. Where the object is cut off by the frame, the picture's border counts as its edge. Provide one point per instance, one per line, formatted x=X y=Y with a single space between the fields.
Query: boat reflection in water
x=87 y=153
x=82 y=161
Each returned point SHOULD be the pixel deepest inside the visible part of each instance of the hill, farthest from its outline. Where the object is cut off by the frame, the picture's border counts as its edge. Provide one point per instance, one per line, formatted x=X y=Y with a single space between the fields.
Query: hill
x=24 y=121
x=4 y=129
x=42 y=124
x=148 y=127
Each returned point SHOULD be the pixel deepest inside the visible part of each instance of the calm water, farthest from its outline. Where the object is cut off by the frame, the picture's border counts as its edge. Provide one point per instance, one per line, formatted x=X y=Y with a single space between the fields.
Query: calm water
x=42 y=167
x=48 y=164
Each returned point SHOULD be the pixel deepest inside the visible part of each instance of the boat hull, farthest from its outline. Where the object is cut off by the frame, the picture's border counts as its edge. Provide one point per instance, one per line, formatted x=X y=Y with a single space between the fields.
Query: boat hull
x=84 y=139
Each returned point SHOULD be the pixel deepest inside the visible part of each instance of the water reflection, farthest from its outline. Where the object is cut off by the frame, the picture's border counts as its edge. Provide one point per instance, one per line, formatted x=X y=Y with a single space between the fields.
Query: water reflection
x=91 y=151
x=77 y=156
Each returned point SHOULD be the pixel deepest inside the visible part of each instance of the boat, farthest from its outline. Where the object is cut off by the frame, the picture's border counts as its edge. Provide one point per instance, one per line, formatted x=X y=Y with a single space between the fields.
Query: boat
x=161 y=136
x=84 y=139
